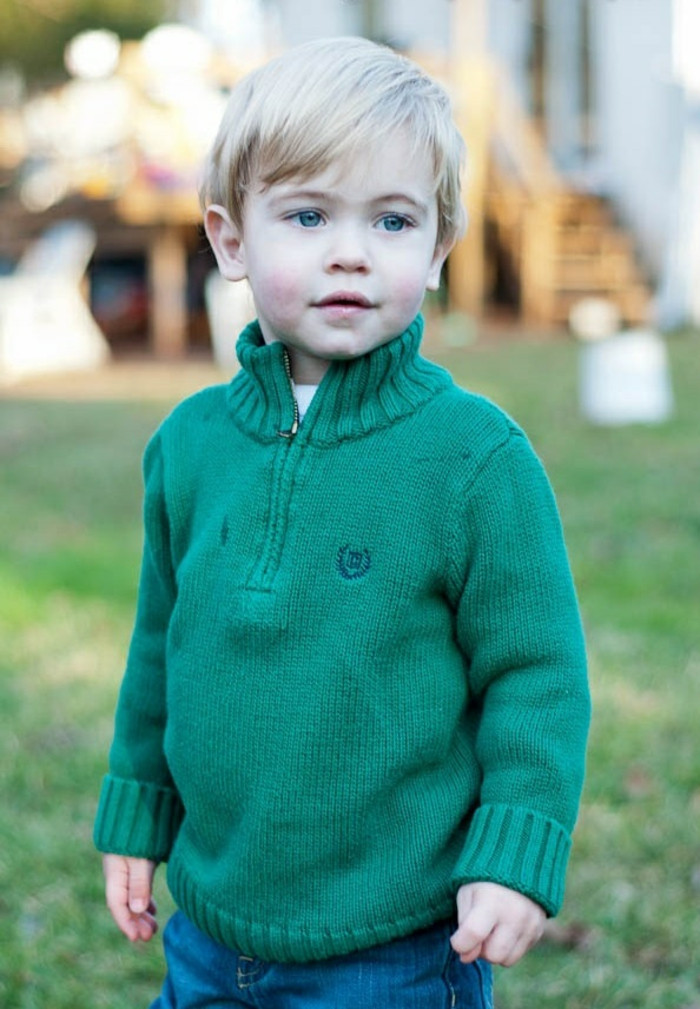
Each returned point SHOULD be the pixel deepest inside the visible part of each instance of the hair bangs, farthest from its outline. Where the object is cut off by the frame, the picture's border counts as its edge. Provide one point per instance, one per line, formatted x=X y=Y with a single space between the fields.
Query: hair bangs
x=329 y=101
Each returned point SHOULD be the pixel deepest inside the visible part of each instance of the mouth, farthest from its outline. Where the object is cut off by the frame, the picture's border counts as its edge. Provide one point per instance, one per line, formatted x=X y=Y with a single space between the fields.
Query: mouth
x=344 y=299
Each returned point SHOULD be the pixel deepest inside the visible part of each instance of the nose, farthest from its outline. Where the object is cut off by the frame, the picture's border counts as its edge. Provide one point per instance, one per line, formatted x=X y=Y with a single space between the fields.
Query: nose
x=347 y=250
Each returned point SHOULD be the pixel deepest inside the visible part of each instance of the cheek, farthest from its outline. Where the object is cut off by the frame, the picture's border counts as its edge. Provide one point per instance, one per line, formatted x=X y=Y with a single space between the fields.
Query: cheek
x=278 y=284
x=408 y=286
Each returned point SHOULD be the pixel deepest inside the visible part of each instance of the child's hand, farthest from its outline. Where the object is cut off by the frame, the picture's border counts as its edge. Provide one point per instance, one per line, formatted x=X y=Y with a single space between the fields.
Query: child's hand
x=128 y=885
x=495 y=923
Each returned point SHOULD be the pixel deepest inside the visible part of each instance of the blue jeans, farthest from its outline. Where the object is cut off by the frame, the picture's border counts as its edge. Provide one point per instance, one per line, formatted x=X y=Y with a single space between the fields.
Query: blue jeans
x=420 y=971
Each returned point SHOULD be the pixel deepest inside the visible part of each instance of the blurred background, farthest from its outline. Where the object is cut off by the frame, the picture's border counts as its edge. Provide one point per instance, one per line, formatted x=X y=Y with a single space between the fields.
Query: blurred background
x=573 y=301
x=582 y=119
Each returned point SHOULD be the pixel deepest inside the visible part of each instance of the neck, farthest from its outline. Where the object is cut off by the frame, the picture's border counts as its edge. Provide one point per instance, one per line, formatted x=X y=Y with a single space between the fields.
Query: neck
x=306 y=369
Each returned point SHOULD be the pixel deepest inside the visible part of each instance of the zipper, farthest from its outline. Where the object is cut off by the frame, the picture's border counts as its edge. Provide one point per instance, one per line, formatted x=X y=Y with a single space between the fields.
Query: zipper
x=295 y=421
x=283 y=481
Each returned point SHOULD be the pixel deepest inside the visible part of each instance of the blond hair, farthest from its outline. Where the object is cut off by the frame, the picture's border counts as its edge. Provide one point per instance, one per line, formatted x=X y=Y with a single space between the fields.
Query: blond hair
x=325 y=101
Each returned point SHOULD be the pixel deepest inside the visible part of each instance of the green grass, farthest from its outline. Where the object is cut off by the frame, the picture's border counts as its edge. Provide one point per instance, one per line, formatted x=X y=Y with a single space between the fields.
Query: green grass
x=629 y=934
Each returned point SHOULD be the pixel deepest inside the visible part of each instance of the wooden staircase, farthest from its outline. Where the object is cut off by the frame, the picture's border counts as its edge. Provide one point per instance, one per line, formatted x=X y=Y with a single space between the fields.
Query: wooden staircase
x=561 y=245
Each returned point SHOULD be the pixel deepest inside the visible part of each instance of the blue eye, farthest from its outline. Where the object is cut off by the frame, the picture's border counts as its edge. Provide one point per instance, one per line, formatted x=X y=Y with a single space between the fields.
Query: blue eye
x=308 y=218
x=394 y=222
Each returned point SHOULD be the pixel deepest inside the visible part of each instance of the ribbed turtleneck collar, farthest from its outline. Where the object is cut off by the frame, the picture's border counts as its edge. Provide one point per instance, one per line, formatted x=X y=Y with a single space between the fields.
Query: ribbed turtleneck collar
x=354 y=397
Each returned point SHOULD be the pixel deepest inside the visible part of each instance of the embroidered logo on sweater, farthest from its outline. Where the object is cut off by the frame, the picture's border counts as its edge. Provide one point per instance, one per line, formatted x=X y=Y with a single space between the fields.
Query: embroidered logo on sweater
x=351 y=563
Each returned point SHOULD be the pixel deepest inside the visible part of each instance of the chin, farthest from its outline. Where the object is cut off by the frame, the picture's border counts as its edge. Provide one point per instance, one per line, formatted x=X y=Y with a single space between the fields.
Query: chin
x=342 y=347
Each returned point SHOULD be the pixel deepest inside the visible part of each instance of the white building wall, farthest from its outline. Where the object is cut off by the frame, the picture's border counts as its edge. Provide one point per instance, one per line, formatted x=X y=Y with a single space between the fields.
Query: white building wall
x=678 y=300
x=411 y=24
x=407 y=24
x=639 y=110
x=421 y=26
x=509 y=40
x=564 y=99
x=301 y=20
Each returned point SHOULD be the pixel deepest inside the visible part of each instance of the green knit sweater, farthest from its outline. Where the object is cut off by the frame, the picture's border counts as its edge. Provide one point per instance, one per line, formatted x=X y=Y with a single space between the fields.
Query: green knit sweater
x=357 y=676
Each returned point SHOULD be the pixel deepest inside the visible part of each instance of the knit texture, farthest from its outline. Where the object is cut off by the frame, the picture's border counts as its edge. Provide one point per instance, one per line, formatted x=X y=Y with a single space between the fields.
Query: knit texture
x=357 y=676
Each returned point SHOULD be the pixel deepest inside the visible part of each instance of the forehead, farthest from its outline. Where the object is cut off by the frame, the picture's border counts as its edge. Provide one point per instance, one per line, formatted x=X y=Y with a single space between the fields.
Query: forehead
x=388 y=164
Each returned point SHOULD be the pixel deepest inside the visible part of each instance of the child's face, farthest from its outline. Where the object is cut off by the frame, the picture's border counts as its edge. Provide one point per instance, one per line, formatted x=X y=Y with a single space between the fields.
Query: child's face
x=338 y=263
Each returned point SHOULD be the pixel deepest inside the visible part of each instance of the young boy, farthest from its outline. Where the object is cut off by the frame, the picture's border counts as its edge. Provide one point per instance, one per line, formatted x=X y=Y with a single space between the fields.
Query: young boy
x=354 y=713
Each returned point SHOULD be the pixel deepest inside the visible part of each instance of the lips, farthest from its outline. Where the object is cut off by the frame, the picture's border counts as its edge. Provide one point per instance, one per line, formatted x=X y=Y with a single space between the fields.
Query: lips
x=344 y=299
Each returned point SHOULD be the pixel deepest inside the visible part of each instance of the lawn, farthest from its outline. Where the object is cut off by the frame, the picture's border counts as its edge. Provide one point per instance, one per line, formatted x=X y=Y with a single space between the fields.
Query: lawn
x=629 y=935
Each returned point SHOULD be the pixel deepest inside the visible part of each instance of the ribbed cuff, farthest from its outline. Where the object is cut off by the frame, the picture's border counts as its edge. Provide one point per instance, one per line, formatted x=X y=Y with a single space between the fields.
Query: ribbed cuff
x=137 y=819
x=517 y=848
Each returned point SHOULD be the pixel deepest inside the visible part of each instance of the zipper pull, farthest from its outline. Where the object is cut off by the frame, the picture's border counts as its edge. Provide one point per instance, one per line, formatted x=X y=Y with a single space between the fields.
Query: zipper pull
x=292 y=431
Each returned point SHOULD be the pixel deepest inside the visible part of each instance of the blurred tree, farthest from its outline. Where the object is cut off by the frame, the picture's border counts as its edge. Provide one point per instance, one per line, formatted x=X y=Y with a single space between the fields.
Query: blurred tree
x=33 y=33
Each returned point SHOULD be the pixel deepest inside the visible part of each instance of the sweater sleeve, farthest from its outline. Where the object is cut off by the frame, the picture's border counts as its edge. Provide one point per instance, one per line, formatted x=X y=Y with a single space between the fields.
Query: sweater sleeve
x=139 y=810
x=519 y=626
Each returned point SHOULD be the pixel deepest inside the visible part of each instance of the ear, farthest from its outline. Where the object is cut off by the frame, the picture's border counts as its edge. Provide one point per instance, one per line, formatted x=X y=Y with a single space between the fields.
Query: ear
x=226 y=240
x=440 y=254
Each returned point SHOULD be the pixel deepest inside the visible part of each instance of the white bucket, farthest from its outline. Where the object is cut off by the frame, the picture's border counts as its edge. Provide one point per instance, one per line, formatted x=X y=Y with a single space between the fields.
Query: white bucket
x=229 y=309
x=625 y=379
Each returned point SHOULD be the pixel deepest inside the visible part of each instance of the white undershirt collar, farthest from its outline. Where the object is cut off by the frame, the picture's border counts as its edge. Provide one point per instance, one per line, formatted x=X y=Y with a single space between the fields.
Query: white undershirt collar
x=304 y=394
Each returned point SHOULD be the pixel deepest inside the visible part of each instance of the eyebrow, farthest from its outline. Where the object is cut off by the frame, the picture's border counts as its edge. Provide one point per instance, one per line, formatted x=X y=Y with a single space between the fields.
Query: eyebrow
x=319 y=196
x=419 y=205
x=312 y=195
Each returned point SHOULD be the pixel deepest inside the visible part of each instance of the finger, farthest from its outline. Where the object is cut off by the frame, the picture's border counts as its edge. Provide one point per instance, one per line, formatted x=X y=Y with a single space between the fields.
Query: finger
x=116 y=894
x=146 y=927
x=500 y=945
x=472 y=933
x=477 y=953
x=517 y=953
x=140 y=879
x=468 y=948
x=524 y=943
x=465 y=900
x=507 y=944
